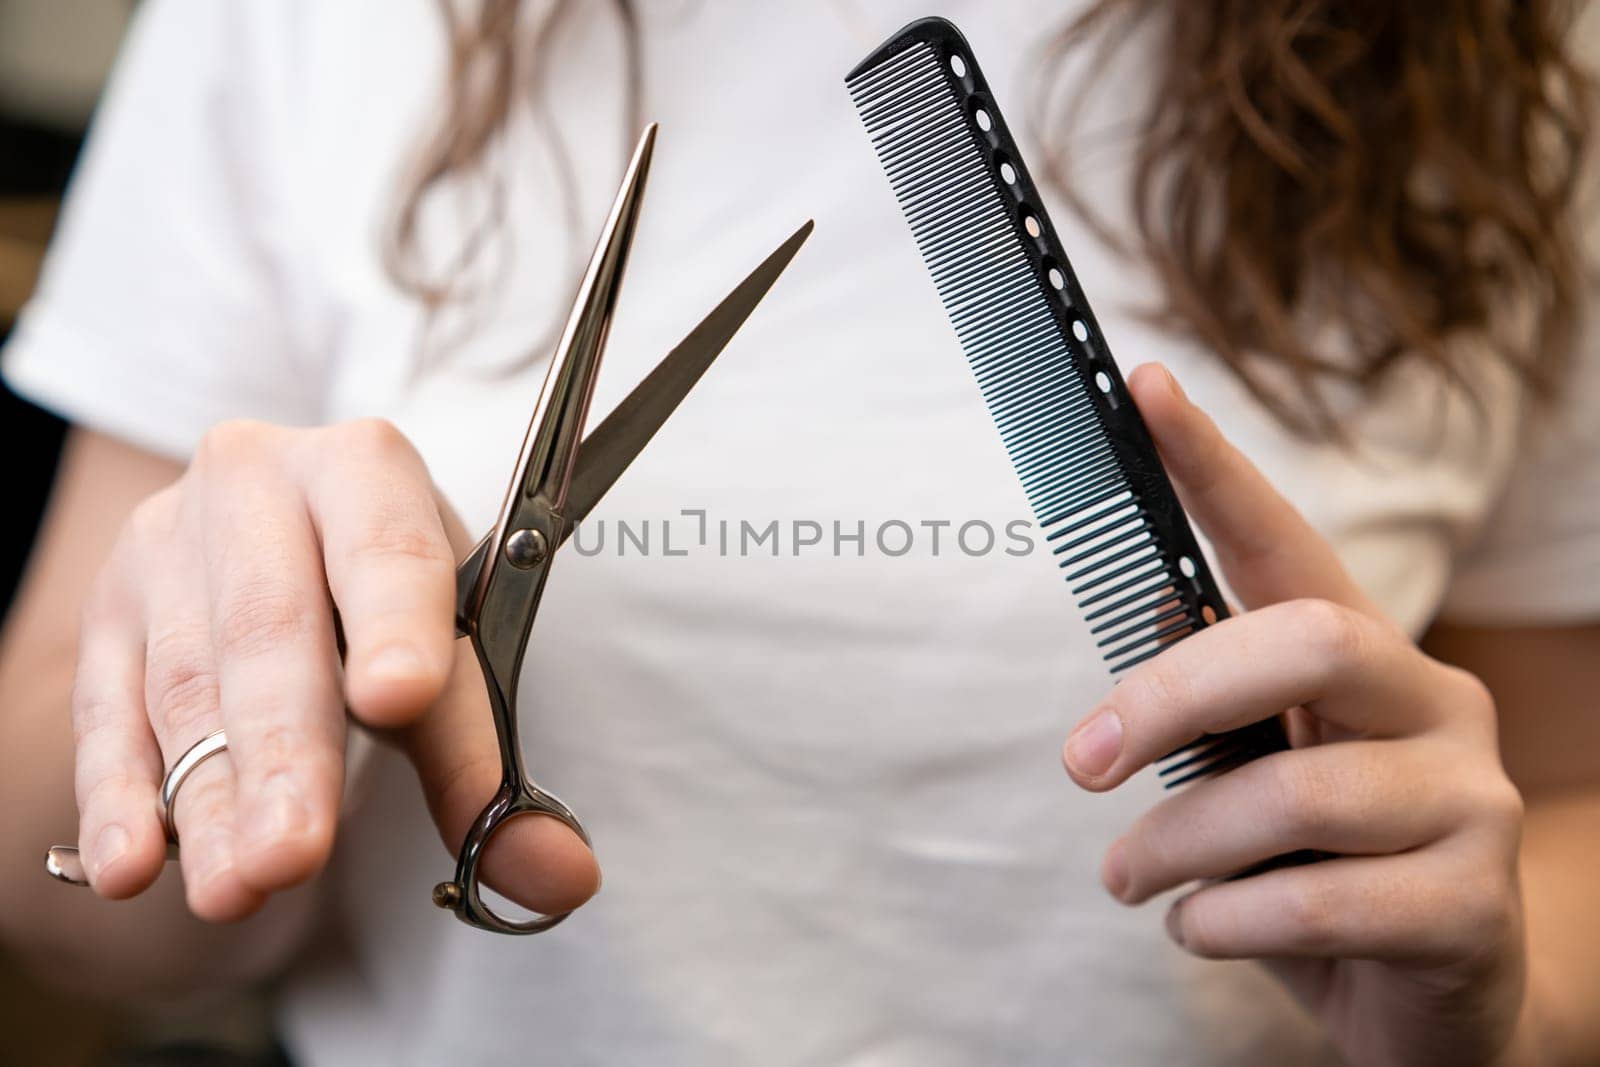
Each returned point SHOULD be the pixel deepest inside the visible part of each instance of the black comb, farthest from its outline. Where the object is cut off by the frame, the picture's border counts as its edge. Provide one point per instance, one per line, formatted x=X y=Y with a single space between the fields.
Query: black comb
x=1087 y=464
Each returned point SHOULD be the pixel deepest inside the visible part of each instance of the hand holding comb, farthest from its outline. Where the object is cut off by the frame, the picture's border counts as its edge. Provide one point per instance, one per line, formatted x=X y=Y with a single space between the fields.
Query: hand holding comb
x=1410 y=939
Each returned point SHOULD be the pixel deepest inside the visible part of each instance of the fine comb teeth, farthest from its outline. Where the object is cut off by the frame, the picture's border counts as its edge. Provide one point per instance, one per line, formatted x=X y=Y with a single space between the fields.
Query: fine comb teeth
x=1086 y=461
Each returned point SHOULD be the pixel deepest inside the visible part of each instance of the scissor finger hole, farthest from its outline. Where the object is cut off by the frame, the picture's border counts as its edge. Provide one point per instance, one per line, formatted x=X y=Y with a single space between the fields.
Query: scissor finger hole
x=508 y=911
x=483 y=906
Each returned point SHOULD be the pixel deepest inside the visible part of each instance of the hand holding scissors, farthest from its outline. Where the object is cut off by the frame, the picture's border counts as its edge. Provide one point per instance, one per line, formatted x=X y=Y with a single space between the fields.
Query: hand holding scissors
x=129 y=727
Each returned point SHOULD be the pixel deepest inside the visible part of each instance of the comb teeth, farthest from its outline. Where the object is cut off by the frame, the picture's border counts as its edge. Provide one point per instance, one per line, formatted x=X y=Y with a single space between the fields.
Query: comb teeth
x=964 y=223
x=1085 y=459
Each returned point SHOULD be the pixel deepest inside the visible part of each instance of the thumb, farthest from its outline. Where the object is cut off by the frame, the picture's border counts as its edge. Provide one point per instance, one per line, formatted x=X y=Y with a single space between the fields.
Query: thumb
x=535 y=860
x=1264 y=547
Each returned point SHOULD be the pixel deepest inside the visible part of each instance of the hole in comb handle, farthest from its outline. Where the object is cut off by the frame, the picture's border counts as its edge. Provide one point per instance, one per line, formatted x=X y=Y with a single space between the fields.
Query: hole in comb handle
x=1102 y=381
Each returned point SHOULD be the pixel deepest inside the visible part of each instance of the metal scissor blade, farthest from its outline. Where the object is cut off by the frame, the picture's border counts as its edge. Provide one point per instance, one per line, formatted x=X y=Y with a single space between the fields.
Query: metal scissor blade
x=608 y=451
x=534 y=500
x=467 y=581
x=550 y=452
x=613 y=445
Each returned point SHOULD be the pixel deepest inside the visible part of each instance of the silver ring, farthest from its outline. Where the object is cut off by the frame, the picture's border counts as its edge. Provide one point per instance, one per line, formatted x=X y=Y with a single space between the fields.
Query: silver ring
x=198 y=753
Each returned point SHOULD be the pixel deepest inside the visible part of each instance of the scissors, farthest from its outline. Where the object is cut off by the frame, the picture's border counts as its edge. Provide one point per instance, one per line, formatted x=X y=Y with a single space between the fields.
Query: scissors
x=554 y=487
x=556 y=483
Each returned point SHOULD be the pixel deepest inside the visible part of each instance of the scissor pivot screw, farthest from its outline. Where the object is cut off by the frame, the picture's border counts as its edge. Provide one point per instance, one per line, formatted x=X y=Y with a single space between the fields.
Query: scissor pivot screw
x=447 y=895
x=526 y=548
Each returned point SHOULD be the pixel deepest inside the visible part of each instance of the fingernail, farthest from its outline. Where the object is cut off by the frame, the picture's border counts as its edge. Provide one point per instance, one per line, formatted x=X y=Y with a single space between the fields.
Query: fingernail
x=1093 y=746
x=280 y=812
x=1114 y=870
x=109 y=847
x=1172 y=383
x=1174 y=923
x=396 y=661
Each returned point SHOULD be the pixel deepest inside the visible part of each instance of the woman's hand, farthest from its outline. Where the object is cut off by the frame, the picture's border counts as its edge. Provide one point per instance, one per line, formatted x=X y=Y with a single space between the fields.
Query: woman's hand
x=215 y=610
x=1408 y=945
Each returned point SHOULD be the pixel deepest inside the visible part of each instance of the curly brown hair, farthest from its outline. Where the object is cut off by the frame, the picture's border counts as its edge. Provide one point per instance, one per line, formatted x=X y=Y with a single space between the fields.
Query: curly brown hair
x=1406 y=171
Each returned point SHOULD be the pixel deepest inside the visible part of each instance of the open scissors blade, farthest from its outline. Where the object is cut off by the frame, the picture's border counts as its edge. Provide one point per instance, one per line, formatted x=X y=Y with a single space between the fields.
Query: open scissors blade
x=608 y=451
x=614 y=444
x=550 y=451
x=496 y=600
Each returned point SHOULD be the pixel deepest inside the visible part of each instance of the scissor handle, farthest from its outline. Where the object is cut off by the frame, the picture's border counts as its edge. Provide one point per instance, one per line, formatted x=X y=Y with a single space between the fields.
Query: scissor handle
x=515 y=797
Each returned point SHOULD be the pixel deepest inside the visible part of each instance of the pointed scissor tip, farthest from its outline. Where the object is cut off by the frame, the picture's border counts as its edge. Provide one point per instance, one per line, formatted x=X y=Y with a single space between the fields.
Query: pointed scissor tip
x=632 y=189
x=645 y=148
x=796 y=239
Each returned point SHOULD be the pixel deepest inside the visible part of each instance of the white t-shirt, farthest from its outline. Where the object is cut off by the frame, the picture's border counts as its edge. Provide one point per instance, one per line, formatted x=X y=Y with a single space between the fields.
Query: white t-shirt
x=823 y=780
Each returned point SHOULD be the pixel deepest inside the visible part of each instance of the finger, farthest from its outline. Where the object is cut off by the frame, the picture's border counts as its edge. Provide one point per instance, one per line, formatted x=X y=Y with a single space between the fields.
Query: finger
x=181 y=693
x=1427 y=906
x=118 y=764
x=1346 y=667
x=1266 y=550
x=276 y=661
x=390 y=568
x=537 y=861
x=1358 y=797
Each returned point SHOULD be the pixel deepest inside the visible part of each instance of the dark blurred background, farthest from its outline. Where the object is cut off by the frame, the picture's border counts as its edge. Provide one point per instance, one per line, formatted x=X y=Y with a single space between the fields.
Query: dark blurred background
x=54 y=55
